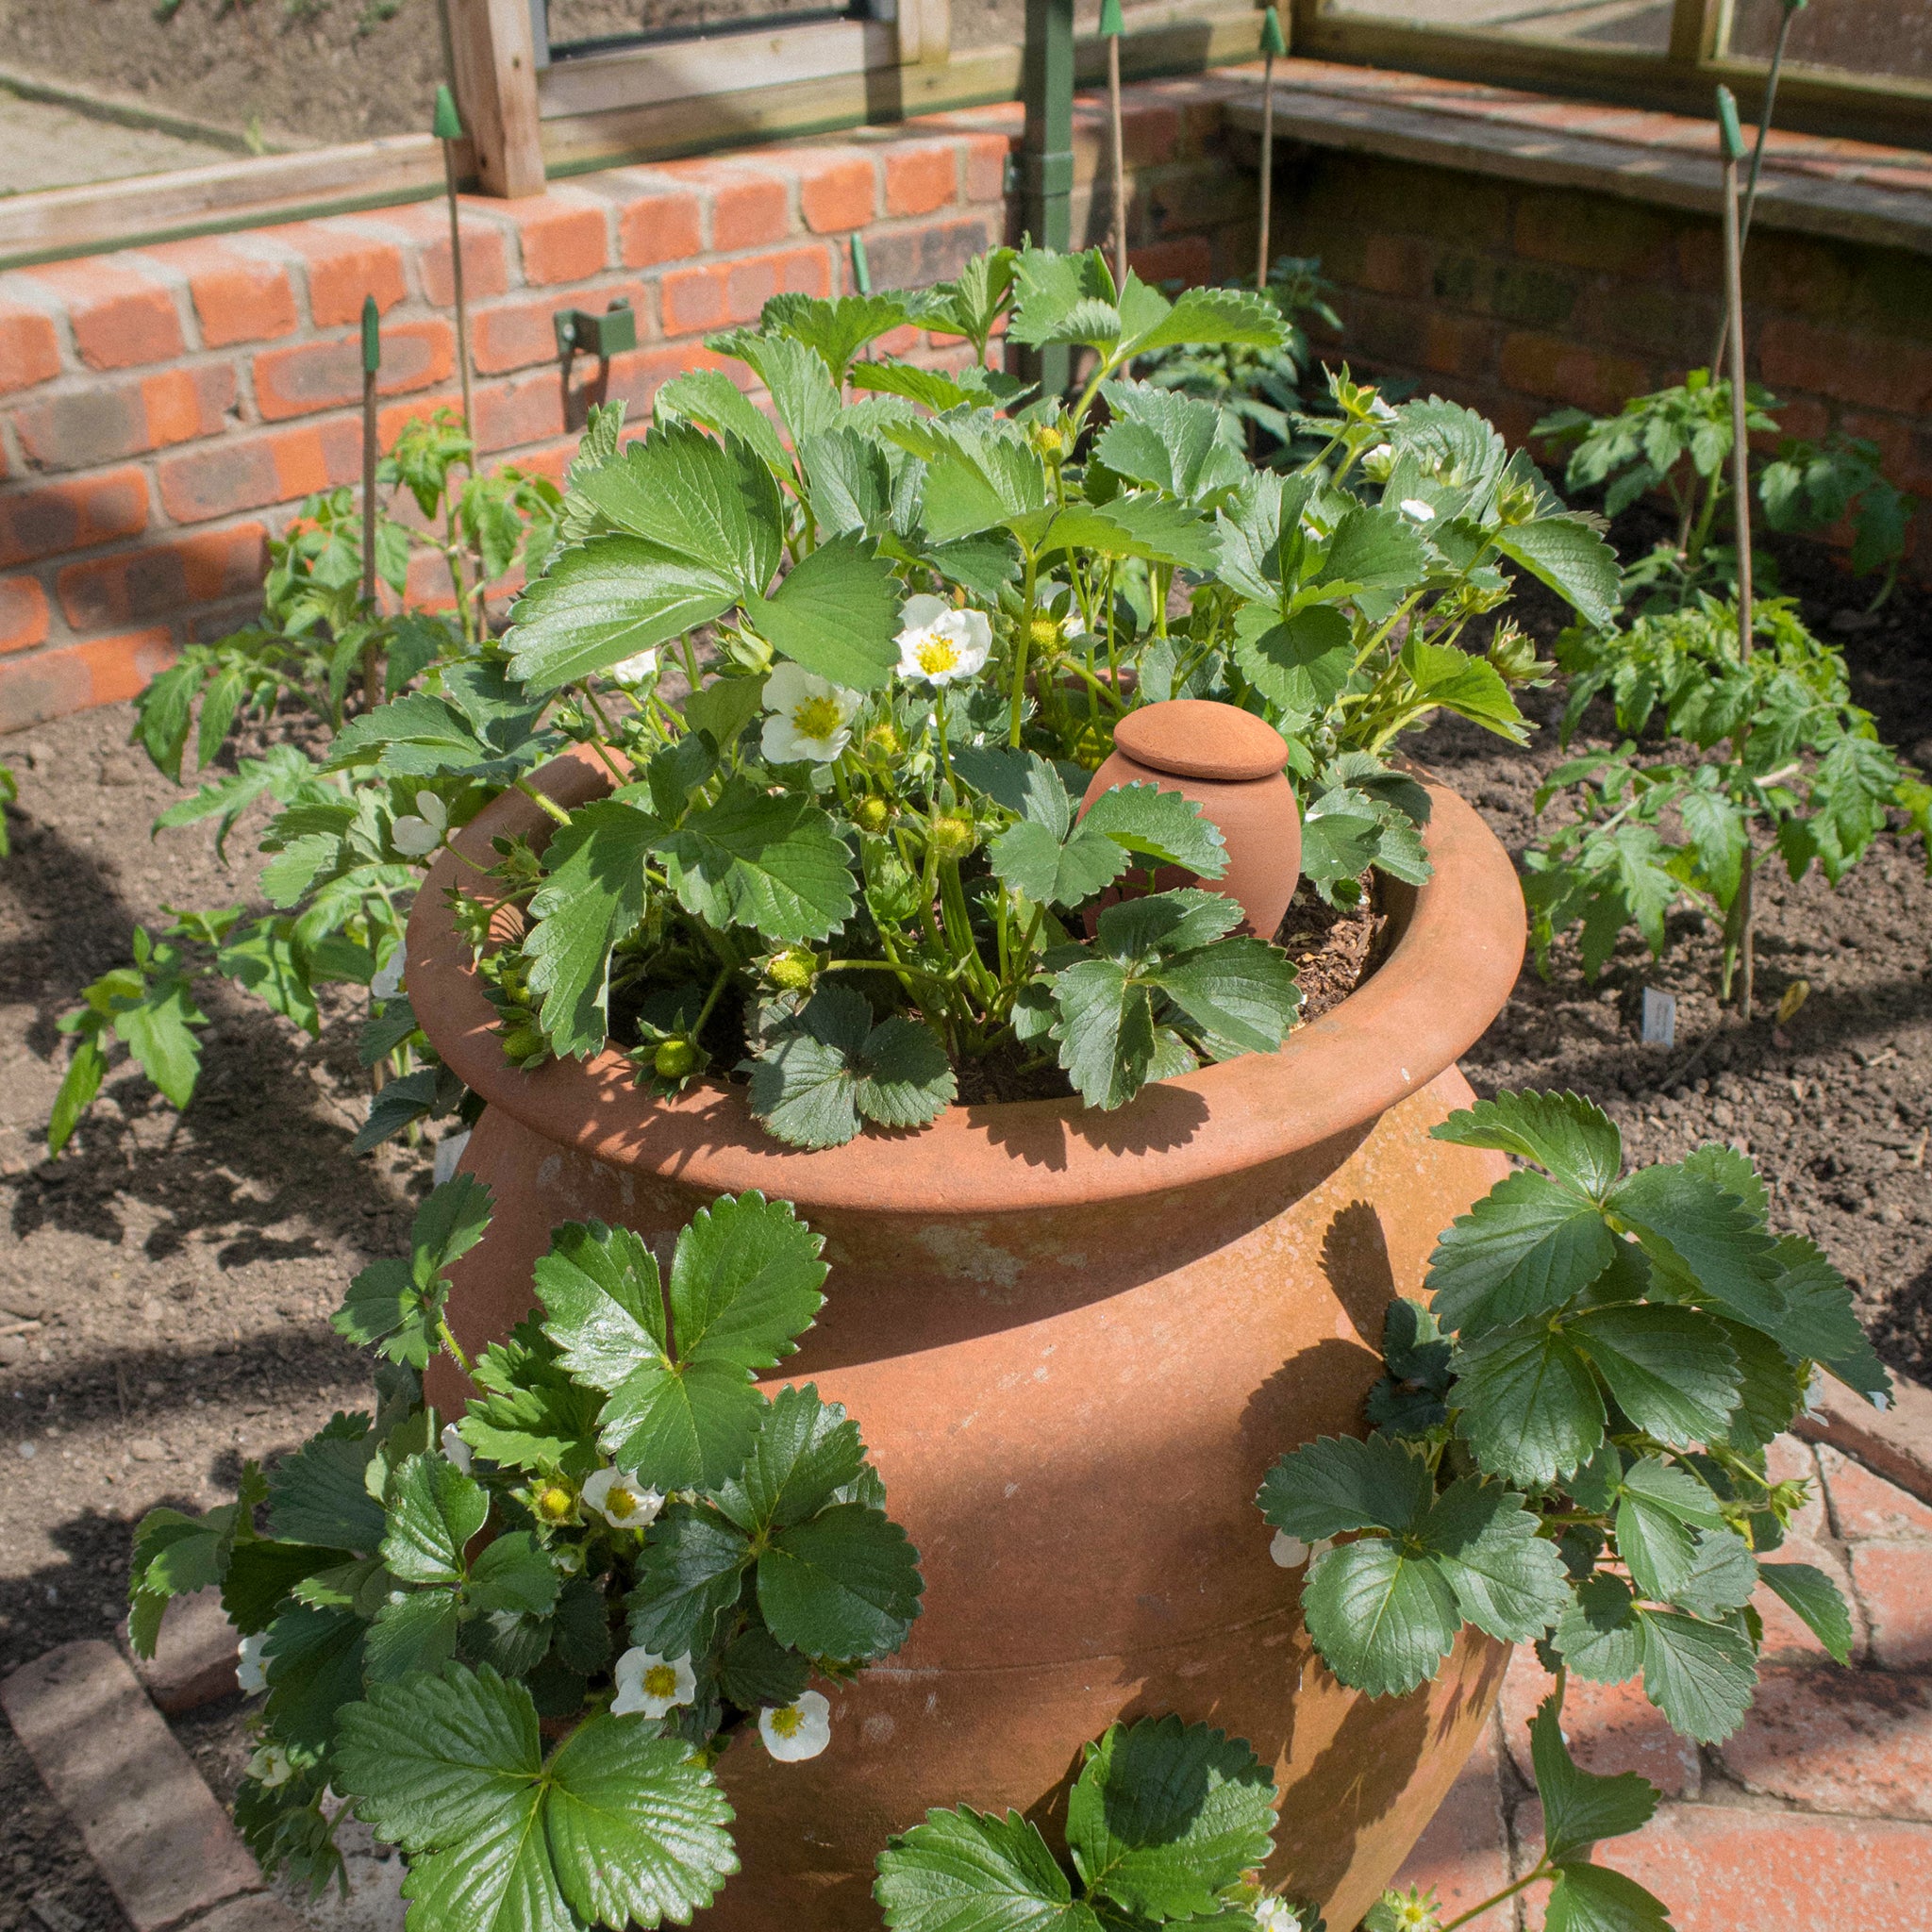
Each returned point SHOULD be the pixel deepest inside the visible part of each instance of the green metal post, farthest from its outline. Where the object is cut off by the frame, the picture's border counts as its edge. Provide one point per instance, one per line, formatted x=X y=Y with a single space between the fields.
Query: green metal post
x=1047 y=162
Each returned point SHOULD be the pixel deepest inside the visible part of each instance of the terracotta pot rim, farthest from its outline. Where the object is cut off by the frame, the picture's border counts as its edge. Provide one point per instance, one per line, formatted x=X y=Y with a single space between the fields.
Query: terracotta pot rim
x=1454 y=961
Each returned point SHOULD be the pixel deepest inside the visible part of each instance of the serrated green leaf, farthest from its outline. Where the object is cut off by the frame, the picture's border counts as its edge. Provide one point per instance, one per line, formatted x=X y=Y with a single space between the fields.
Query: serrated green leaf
x=1508 y=1580
x=1383 y=1619
x=1524 y=1249
x=1724 y=1575
x=1529 y=1403
x=1034 y=862
x=710 y=398
x=313 y=1662
x=687 y=1576
x=1581 y=1807
x=434 y=1511
x=513 y=1573
x=1336 y=1484
x=1299 y=663
x=591 y=896
x=605 y=600
x=1672 y=1371
x=1814 y=1597
x=600 y=1288
x=1708 y=1239
x=805 y=1450
x=1702 y=1676
x=1237 y=996
x=619 y=1824
x=745 y=1281
x=1205 y=317
x=1573 y=1137
x=1165 y=1816
x=1593 y=1898
x=772 y=861
x=262 y=1574
x=681 y=1426
x=844 y=1584
x=837 y=613
x=968 y=1870
x=1821 y=1322
x=530 y=1413
x=1161 y=825
x=416 y=1631
x=1104 y=1030
x=1573 y=558
x=755 y=1670
x=1170 y=441
x=1599 y=1636
x=316 y=1495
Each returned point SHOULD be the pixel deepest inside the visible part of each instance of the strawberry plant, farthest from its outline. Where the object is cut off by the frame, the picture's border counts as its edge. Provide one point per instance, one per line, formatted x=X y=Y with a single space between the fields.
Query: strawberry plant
x=1567 y=1444
x=623 y=1538
x=1169 y=1824
x=848 y=674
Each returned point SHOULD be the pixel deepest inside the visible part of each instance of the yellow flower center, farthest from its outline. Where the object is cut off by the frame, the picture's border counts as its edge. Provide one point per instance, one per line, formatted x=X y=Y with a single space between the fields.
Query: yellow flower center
x=1045 y=633
x=937 y=655
x=620 y=1502
x=554 y=1503
x=789 y=1722
x=817 y=718
x=660 y=1680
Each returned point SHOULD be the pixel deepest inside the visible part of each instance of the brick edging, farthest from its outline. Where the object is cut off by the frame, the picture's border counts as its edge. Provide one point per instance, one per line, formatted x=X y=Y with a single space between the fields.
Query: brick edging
x=1896 y=1442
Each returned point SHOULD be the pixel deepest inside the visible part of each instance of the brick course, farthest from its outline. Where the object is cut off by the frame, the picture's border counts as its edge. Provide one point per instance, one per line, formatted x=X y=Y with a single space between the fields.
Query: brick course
x=165 y=405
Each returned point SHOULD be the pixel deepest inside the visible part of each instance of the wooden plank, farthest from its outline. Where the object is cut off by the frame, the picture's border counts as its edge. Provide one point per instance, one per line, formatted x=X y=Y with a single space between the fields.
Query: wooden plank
x=222 y=195
x=714 y=65
x=494 y=52
x=1694 y=25
x=1661 y=176
x=1856 y=107
x=926 y=32
x=1177 y=39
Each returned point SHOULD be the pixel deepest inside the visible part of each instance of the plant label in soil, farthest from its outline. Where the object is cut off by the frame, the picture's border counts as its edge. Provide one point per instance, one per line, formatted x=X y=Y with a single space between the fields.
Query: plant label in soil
x=1660 y=1018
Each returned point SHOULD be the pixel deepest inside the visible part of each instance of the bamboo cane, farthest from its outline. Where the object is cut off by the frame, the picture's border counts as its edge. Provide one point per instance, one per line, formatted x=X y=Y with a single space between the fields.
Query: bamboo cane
x=1731 y=139
x=371 y=363
x=1111 y=27
x=1271 y=44
x=449 y=130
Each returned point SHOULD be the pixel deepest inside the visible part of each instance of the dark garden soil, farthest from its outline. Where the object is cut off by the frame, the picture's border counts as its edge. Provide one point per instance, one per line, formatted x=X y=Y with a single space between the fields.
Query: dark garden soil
x=164 y=1288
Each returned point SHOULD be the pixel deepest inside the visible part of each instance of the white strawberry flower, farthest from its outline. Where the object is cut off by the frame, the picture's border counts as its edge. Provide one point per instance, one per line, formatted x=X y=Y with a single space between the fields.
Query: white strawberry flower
x=621 y=1499
x=940 y=643
x=793 y=1732
x=1417 y=510
x=421 y=833
x=1277 y=1915
x=455 y=1449
x=249 y=1672
x=269 y=1766
x=637 y=670
x=387 y=982
x=807 y=717
x=649 y=1685
x=1292 y=1553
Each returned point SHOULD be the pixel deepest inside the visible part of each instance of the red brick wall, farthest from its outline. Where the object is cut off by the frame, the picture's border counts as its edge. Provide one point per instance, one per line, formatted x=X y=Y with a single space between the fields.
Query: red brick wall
x=163 y=410
x=1516 y=298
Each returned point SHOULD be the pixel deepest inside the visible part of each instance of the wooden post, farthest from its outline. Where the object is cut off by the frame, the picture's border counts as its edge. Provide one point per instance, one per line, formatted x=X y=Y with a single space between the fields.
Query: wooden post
x=1271 y=44
x=494 y=58
x=926 y=32
x=1111 y=27
x=1695 y=28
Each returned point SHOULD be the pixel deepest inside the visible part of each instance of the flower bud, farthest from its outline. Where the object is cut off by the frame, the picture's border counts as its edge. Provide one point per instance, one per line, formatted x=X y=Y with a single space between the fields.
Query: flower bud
x=1514 y=655
x=1049 y=441
x=952 y=835
x=674 y=1059
x=882 y=741
x=1043 y=633
x=554 y=1503
x=873 y=814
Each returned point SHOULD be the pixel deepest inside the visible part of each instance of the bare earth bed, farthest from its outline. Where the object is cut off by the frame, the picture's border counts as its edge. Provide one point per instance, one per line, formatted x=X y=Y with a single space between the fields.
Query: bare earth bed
x=164 y=1289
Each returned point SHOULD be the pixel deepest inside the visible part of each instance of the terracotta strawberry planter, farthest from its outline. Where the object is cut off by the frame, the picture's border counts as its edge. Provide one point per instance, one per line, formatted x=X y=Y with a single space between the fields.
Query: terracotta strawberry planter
x=1075 y=1342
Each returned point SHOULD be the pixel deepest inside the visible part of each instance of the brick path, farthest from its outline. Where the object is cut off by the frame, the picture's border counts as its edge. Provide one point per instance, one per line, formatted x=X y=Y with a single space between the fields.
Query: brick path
x=1815 y=1817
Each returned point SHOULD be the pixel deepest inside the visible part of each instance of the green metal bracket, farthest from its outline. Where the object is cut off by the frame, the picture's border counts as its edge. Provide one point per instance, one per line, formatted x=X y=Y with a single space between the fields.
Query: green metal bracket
x=583 y=332
x=449 y=123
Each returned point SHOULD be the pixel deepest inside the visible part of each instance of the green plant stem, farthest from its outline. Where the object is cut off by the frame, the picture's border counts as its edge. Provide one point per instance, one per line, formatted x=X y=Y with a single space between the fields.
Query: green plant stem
x=1021 y=643
x=542 y=801
x=1542 y=1871
x=449 y=1341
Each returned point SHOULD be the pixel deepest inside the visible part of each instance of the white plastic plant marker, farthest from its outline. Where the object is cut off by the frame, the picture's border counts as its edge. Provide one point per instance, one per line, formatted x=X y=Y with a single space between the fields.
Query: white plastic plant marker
x=1660 y=1018
x=449 y=1150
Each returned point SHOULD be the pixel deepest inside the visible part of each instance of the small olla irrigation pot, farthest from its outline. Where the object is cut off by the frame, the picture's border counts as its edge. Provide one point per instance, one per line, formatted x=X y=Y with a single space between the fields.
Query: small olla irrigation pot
x=1231 y=764
x=1075 y=1342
